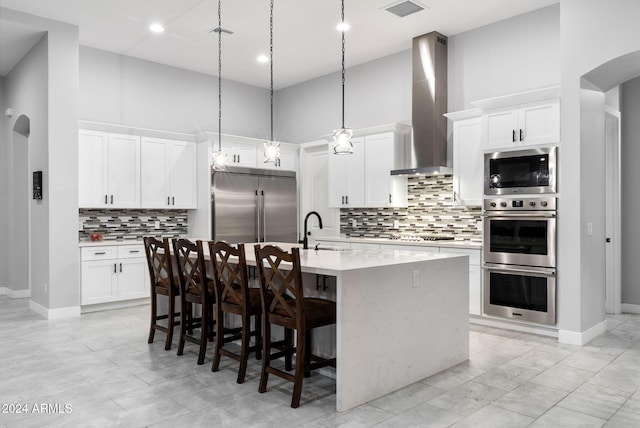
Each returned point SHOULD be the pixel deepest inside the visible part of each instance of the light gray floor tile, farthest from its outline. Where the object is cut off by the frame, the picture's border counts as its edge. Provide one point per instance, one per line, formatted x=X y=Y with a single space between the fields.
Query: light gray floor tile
x=494 y=417
x=360 y=417
x=454 y=376
x=595 y=401
x=628 y=415
x=506 y=377
x=558 y=417
x=530 y=399
x=425 y=415
x=564 y=378
x=588 y=359
x=541 y=358
x=621 y=377
x=467 y=398
x=407 y=398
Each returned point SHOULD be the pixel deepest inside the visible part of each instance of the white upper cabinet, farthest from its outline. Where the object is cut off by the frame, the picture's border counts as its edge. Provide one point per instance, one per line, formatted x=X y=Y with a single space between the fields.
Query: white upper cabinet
x=168 y=173
x=240 y=155
x=287 y=160
x=467 y=157
x=346 y=177
x=109 y=170
x=523 y=119
x=363 y=179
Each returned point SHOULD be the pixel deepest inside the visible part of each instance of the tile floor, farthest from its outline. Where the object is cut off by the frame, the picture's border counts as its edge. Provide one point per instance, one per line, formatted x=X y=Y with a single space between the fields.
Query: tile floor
x=102 y=369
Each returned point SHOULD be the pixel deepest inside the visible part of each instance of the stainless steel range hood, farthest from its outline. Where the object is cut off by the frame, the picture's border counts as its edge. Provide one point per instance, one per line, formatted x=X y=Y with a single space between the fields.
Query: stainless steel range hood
x=429 y=104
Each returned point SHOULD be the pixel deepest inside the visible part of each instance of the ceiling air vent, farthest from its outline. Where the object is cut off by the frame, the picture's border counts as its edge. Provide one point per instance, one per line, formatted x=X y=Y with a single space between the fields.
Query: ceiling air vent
x=404 y=8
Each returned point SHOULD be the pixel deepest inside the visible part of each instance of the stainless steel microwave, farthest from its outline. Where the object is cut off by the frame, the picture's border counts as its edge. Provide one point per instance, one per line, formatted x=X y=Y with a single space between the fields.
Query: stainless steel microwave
x=520 y=171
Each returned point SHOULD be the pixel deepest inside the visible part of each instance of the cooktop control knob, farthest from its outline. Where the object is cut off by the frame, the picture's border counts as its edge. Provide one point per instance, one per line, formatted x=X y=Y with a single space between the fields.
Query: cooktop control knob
x=503 y=204
x=543 y=203
x=532 y=204
x=493 y=204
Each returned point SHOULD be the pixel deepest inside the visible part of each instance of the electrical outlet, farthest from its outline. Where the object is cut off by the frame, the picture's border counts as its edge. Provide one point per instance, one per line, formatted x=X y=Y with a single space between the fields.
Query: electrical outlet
x=589 y=228
x=416 y=278
x=396 y=224
x=46 y=288
x=156 y=225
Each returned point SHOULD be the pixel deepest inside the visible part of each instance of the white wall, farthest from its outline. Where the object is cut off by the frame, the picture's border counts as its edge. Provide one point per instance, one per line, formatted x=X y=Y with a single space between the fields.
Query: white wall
x=630 y=102
x=123 y=90
x=4 y=178
x=592 y=33
x=509 y=56
x=44 y=87
x=502 y=58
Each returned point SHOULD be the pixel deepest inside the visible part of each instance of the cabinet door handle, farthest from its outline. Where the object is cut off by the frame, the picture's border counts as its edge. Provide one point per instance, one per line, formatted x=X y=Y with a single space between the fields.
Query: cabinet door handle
x=513 y=136
x=389 y=197
x=173 y=200
x=115 y=268
x=168 y=198
x=238 y=158
x=521 y=135
x=120 y=267
x=111 y=199
x=106 y=199
x=346 y=198
x=343 y=200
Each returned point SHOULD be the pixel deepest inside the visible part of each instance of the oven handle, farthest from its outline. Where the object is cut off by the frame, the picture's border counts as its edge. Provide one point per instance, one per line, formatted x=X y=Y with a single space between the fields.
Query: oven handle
x=522 y=269
x=509 y=214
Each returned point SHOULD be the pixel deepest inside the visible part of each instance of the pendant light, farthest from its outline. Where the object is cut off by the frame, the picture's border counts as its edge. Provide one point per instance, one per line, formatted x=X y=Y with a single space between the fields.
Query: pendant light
x=342 y=137
x=271 y=147
x=219 y=157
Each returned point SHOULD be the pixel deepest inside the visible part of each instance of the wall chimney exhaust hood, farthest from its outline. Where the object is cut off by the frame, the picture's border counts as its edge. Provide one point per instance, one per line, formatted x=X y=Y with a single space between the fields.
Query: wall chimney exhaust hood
x=429 y=104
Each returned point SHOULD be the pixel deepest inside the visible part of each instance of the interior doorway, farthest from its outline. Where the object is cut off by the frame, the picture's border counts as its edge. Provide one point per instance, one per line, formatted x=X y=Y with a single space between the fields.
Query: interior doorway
x=20 y=213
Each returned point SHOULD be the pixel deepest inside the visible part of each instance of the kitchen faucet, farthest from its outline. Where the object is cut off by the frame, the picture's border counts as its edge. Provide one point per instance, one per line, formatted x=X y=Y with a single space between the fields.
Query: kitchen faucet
x=305 y=240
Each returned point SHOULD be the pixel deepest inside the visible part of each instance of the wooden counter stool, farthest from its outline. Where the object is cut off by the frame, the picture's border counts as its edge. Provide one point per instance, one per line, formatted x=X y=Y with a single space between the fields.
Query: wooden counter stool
x=234 y=296
x=162 y=283
x=195 y=289
x=287 y=307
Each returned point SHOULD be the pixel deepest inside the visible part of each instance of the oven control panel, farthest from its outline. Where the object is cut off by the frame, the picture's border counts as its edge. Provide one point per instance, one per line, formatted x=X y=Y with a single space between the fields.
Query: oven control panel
x=520 y=204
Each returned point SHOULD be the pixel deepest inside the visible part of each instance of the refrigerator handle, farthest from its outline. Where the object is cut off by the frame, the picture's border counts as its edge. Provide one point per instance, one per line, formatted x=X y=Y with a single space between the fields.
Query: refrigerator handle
x=264 y=218
x=257 y=217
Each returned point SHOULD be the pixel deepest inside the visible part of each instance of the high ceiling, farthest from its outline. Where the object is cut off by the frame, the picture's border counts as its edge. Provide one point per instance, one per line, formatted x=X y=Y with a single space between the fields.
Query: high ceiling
x=306 y=42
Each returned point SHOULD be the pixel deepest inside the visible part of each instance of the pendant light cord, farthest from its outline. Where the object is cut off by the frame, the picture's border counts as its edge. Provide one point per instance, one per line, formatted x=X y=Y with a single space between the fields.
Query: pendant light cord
x=219 y=77
x=271 y=64
x=343 y=73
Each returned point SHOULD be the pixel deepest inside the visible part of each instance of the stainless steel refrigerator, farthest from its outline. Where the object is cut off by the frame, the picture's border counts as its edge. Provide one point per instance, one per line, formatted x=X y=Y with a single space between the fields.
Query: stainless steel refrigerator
x=254 y=205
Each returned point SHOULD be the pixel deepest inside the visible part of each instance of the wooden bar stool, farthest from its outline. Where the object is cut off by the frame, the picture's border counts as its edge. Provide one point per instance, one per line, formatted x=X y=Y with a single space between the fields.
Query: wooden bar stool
x=234 y=296
x=195 y=289
x=162 y=283
x=284 y=304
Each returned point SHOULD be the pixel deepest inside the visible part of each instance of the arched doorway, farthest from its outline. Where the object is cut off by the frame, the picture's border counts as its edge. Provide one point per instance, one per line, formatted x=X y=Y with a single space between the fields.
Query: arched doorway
x=20 y=215
x=604 y=78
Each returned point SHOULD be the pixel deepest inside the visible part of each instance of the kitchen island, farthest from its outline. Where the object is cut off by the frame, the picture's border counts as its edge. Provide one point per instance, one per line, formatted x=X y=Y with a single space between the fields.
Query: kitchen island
x=401 y=316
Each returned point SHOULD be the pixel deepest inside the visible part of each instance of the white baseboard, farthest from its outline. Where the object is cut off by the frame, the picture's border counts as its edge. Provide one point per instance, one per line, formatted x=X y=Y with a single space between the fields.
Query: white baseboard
x=629 y=308
x=115 y=305
x=14 y=294
x=582 y=338
x=52 y=314
x=508 y=325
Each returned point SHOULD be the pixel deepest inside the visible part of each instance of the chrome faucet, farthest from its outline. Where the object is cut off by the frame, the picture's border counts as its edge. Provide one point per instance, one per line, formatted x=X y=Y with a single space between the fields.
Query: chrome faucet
x=305 y=239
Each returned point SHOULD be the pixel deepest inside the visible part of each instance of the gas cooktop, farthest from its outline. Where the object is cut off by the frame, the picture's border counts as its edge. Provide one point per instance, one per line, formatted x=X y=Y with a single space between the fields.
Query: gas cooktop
x=414 y=238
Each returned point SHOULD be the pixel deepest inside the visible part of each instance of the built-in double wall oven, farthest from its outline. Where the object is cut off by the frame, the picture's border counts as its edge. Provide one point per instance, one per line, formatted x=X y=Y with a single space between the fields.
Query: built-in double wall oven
x=520 y=258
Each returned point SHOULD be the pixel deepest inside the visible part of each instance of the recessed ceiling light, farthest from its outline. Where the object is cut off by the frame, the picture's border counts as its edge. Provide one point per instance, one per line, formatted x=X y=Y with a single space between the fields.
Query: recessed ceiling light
x=156 y=28
x=263 y=58
x=343 y=26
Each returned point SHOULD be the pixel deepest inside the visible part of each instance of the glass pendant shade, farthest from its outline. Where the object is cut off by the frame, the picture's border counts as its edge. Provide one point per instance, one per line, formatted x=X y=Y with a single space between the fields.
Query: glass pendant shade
x=342 y=141
x=220 y=161
x=271 y=151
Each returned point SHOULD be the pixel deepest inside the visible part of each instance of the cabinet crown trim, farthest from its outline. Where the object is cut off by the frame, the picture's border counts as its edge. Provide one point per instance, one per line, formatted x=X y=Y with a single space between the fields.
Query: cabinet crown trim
x=518 y=98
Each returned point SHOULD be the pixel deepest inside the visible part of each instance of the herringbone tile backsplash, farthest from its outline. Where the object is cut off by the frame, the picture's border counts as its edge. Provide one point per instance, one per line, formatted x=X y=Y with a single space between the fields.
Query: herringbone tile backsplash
x=431 y=211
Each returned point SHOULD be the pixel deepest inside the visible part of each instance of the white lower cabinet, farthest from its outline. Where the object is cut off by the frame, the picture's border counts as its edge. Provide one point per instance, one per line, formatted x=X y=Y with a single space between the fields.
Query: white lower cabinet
x=113 y=273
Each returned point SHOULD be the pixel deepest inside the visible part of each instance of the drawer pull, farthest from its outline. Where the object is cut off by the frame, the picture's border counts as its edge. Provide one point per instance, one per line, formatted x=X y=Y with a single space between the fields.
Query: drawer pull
x=134 y=251
x=99 y=253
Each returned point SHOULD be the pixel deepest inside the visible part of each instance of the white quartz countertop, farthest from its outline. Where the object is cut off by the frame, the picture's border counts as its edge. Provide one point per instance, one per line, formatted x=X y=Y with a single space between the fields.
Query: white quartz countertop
x=329 y=262
x=110 y=243
x=442 y=244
